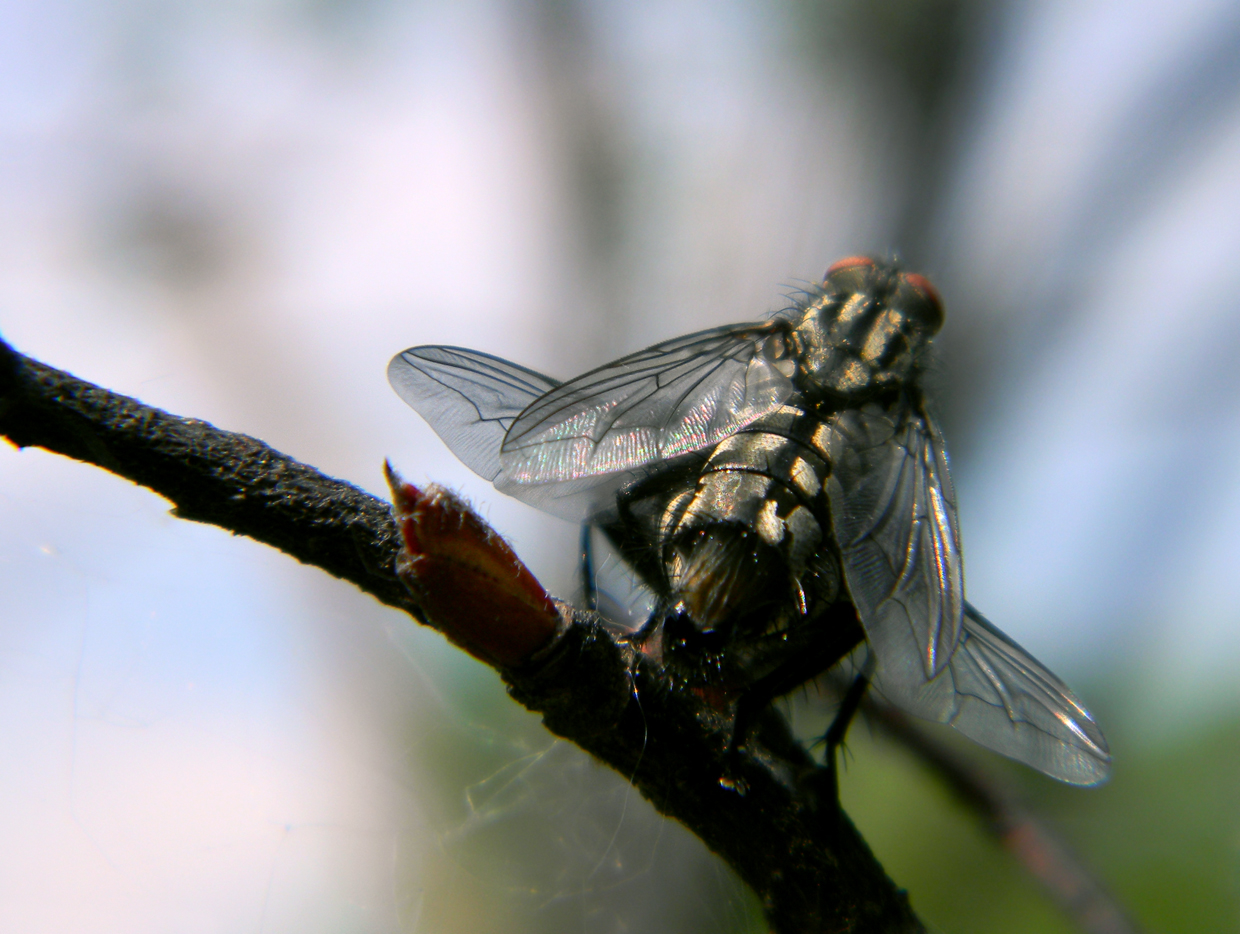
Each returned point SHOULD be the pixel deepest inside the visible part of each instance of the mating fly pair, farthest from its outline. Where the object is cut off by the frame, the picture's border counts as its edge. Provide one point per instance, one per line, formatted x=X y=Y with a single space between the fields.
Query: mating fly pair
x=783 y=491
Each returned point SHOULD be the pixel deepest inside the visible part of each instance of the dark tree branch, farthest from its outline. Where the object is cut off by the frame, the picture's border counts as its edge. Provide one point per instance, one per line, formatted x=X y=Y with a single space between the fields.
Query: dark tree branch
x=212 y=476
x=770 y=821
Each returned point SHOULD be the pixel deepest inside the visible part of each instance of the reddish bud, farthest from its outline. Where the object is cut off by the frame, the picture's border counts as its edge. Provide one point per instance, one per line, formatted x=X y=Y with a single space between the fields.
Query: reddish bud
x=468 y=581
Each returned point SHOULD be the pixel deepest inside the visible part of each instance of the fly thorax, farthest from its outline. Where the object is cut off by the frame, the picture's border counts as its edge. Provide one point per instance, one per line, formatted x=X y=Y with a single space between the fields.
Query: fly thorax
x=867 y=332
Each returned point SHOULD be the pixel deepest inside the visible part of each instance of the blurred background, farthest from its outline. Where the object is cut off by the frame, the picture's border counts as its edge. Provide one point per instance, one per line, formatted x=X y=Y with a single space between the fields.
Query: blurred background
x=240 y=211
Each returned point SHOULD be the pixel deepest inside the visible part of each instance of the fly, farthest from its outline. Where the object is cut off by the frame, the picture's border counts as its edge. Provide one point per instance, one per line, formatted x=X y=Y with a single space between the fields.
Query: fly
x=784 y=491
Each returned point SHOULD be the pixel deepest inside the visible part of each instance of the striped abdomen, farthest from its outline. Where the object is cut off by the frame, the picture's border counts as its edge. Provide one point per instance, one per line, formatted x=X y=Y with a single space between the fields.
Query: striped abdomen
x=748 y=546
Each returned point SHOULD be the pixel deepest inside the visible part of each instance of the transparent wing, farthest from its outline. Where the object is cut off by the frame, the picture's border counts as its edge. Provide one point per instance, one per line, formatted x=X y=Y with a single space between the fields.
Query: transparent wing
x=469 y=398
x=995 y=693
x=893 y=511
x=894 y=515
x=668 y=400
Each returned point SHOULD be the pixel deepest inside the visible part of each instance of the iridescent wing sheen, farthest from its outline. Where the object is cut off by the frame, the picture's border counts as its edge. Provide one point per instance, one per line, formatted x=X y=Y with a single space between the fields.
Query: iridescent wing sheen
x=469 y=398
x=893 y=511
x=998 y=695
x=671 y=399
x=568 y=448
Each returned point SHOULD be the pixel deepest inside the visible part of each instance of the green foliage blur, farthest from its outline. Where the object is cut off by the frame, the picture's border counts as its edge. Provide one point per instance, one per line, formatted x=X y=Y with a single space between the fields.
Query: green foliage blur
x=1163 y=834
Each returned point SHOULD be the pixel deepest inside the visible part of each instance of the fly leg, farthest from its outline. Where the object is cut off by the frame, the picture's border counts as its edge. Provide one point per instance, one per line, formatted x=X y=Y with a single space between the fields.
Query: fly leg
x=834 y=737
x=589 y=584
x=754 y=703
x=836 y=633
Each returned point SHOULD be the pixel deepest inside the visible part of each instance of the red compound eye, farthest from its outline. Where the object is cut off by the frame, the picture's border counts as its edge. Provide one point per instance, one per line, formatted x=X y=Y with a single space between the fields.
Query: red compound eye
x=931 y=306
x=849 y=262
x=922 y=284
